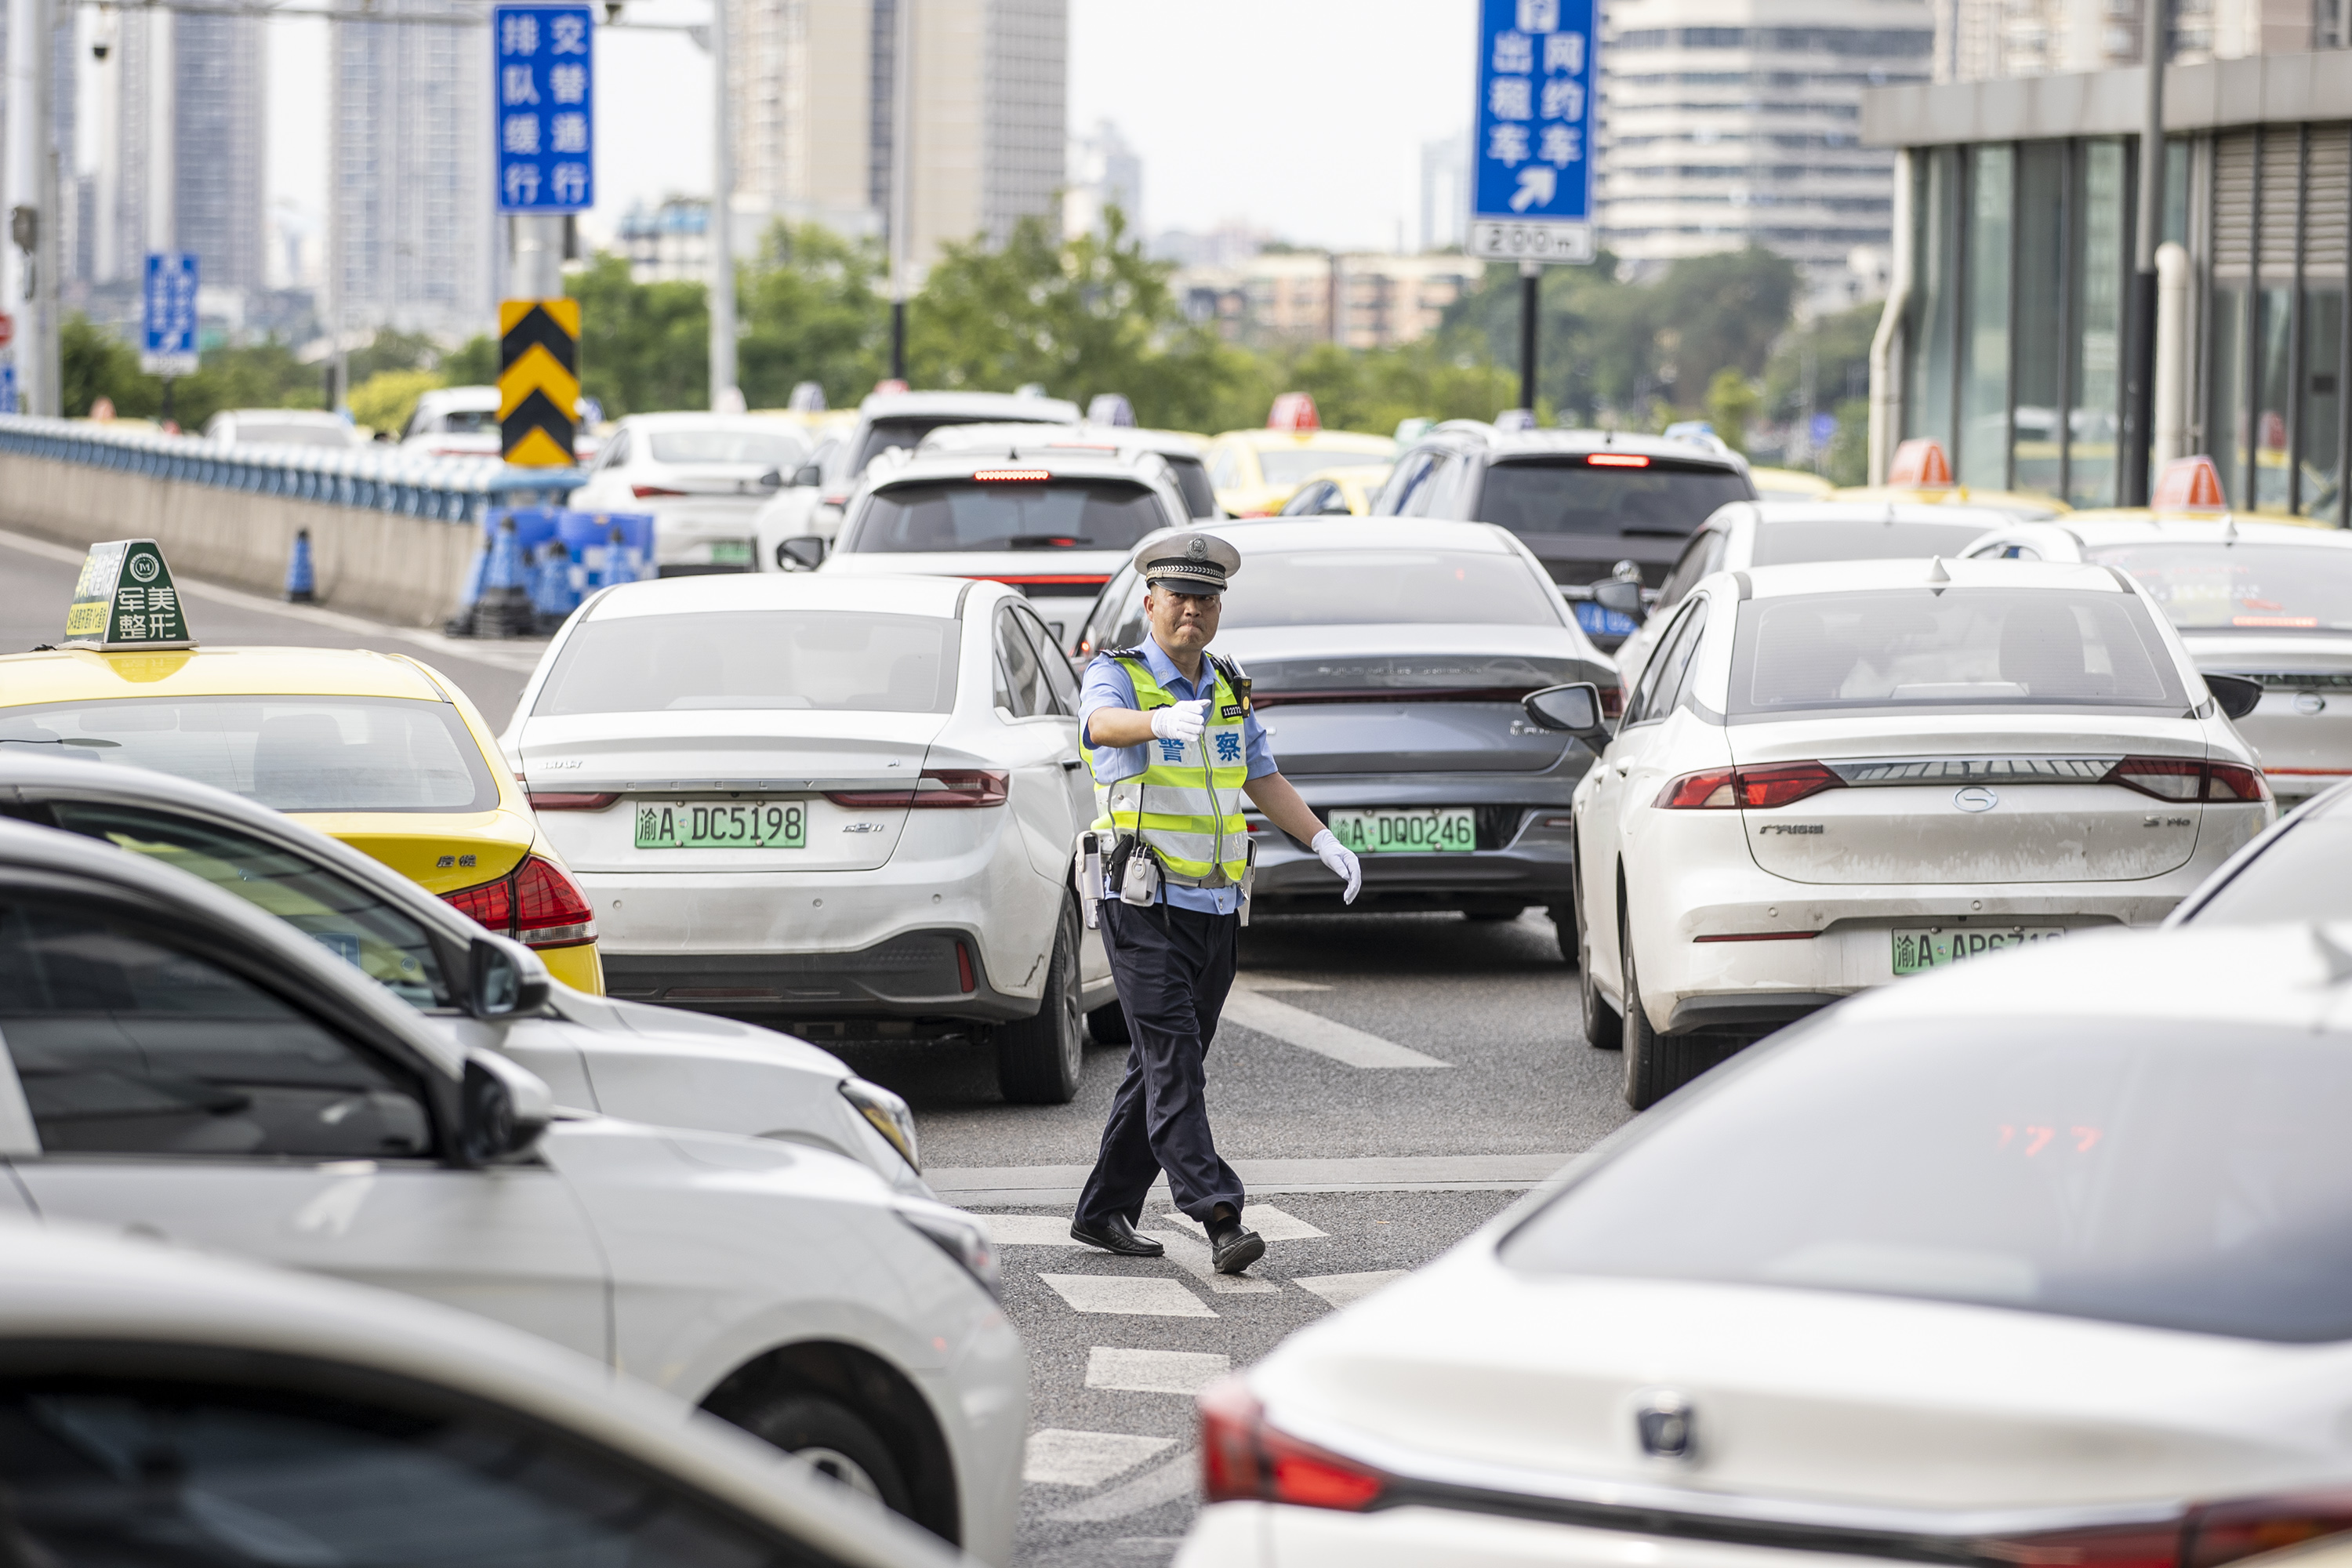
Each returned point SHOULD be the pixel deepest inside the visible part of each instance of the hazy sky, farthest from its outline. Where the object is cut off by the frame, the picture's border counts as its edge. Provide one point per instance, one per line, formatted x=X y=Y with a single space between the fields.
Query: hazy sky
x=1301 y=117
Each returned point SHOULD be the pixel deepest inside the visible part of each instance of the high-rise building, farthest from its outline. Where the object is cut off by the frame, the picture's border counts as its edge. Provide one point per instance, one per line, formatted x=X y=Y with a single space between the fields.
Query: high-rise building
x=1977 y=41
x=813 y=86
x=1444 y=190
x=1726 y=123
x=219 y=133
x=408 y=173
x=1102 y=172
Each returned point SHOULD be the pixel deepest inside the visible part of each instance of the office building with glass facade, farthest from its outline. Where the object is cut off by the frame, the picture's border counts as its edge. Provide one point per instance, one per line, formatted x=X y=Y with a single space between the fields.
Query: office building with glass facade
x=2004 y=338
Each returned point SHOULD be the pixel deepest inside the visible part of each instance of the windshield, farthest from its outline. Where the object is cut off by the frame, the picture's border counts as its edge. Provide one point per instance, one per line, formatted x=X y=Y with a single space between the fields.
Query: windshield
x=835 y=659
x=2304 y=874
x=2190 y=1175
x=1293 y=466
x=1566 y=495
x=1376 y=587
x=290 y=754
x=908 y=430
x=1191 y=478
x=1053 y=514
x=1954 y=647
x=1780 y=543
x=764 y=448
x=2224 y=587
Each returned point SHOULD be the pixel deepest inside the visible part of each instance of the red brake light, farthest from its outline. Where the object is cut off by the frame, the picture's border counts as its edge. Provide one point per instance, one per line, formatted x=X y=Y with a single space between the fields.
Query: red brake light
x=1615 y=461
x=534 y=902
x=936 y=787
x=964 y=978
x=1012 y=476
x=2154 y=1545
x=1724 y=789
x=1612 y=703
x=491 y=905
x=2184 y=779
x=569 y=800
x=2235 y=780
x=1243 y=1459
x=2226 y=1531
x=646 y=493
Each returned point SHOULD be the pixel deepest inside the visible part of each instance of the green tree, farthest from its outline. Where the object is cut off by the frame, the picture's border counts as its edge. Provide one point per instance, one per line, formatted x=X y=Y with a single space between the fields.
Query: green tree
x=1849 y=454
x=812 y=310
x=1725 y=312
x=643 y=346
x=258 y=376
x=1821 y=363
x=475 y=364
x=385 y=400
x=1732 y=401
x=389 y=350
x=94 y=364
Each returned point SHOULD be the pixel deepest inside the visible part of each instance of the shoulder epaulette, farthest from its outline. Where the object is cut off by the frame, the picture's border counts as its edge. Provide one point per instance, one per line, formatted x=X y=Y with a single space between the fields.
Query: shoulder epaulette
x=1136 y=652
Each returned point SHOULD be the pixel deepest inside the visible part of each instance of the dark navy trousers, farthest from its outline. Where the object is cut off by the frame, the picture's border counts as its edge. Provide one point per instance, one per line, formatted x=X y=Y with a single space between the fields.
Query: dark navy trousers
x=1173 y=967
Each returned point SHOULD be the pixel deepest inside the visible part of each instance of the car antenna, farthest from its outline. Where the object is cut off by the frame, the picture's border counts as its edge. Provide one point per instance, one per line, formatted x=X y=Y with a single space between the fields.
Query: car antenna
x=2337 y=959
x=1936 y=573
x=2229 y=532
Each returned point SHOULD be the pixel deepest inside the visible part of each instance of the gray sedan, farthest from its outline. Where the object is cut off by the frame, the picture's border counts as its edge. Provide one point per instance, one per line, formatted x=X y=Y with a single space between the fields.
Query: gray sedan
x=1387 y=657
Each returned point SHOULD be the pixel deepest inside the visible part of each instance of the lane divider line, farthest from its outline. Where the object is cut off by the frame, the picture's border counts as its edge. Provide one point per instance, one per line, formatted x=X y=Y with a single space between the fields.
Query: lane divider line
x=1324 y=1036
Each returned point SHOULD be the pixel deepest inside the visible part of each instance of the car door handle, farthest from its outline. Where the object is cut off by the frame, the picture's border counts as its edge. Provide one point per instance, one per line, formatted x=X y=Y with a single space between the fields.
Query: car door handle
x=1621 y=768
x=1069 y=765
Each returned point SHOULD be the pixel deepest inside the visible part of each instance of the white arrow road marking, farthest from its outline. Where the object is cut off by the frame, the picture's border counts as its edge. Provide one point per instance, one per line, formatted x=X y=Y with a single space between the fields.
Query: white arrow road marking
x=1264 y=1219
x=1060 y=1458
x=1153 y=1372
x=1163 y=1483
x=1193 y=1257
x=1141 y=1295
x=1341 y=1289
x=1313 y=1032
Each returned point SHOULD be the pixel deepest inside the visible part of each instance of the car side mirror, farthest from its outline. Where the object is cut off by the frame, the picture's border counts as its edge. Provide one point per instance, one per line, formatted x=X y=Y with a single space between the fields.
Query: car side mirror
x=502 y=983
x=2236 y=694
x=1574 y=709
x=803 y=553
x=807 y=475
x=773 y=480
x=1620 y=595
x=504 y=1109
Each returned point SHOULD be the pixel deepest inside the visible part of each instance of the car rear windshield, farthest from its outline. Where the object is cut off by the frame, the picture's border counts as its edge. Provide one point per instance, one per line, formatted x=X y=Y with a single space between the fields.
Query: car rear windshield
x=2183 y=1175
x=996 y=514
x=290 y=754
x=1191 y=476
x=843 y=661
x=2304 y=874
x=2010 y=647
x=767 y=450
x=1664 y=498
x=1795 y=540
x=1294 y=465
x=1374 y=587
x=2234 y=587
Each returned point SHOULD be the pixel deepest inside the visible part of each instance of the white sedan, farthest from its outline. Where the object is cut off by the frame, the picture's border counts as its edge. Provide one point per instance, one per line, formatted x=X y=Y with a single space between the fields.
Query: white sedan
x=2047 y=1262
x=844 y=805
x=177 y=1064
x=1831 y=775
x=702 y=477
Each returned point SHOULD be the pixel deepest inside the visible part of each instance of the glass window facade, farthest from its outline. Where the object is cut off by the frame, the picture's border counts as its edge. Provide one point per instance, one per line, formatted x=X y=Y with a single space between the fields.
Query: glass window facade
x=1984 y=457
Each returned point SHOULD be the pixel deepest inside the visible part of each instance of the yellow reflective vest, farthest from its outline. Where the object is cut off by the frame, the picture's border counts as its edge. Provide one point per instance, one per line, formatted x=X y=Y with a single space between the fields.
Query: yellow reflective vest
x=1186 y=804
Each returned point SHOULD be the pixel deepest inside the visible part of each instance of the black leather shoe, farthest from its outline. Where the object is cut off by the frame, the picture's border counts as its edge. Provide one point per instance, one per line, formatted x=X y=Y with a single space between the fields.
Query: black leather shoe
x=1115 y=1235
x=1231 y=1251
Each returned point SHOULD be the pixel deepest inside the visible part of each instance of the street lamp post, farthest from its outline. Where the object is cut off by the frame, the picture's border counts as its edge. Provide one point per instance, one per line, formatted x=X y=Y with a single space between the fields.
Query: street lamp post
x=720 y=232
x=902 y=116
x=2140 y=382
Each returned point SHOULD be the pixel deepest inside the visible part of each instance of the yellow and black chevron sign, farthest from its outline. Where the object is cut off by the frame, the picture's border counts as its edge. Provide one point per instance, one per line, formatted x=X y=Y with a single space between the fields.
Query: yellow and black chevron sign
x=539 y=380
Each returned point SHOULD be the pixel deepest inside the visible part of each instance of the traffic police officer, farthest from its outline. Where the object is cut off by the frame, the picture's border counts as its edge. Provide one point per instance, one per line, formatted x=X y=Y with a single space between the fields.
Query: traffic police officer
x=1174 y=745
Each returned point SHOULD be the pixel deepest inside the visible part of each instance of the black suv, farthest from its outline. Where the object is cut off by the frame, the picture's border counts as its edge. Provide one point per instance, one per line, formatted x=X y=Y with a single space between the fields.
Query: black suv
x=1582 y=499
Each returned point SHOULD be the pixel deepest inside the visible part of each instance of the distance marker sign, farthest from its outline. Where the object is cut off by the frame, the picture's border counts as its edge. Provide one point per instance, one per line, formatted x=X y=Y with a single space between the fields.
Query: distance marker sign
x=125 y=599
x=1531 y=169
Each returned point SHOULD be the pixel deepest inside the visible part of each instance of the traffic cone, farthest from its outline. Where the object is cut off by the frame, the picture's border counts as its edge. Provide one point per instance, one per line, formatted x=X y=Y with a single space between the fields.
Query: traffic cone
x=302 y=582
x=504 y=608
x=620 y=560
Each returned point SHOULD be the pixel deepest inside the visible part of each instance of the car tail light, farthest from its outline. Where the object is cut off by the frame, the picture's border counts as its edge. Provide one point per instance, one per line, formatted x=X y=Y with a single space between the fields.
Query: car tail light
x=2154 y=1545
x=936 y=787
x=2185 y=779
x=571 y=800
x=1615 y=461
x=535 y=903
x=1612 y=703
x=2207 y=1536
x=1725 y=789
x=648 y=493
x=1243 y=1459
x=1011 y=476
x=964 y=978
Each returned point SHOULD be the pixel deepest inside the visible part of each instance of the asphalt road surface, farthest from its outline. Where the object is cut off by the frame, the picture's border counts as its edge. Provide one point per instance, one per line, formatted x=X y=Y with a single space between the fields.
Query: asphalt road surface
x=1385 y=1084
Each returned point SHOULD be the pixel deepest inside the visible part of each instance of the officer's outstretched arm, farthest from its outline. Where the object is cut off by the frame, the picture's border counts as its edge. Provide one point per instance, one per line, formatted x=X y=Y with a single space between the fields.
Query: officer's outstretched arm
x=1279 y=800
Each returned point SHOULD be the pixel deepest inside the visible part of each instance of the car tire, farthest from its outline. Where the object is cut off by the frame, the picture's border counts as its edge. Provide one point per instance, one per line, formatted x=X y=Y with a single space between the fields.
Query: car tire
x=1107 y=1025
x=1604 y=1026
x=1656 y=1063
x=1564 y=930
x=1038 y=1058
x=837 y=1442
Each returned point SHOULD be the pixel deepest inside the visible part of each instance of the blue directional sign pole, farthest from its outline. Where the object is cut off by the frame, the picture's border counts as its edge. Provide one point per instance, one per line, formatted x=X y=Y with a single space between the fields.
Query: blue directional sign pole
x=543 y=65
x=1531 y=172
x=168 y=317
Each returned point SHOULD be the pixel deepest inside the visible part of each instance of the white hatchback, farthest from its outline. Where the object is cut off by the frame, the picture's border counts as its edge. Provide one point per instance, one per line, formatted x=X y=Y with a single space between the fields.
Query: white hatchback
x=847 y=805
x=702 y=477
x=1833 y=776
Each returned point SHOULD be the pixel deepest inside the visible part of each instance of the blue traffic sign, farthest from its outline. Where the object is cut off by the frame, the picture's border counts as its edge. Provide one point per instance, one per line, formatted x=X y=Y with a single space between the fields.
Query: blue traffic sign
x=544 y=70
x=1531 y=179
x=1825 y=429
x=168 y=314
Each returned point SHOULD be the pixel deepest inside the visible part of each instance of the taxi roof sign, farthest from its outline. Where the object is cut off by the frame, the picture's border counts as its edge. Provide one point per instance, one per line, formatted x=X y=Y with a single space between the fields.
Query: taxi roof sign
x=2188 y=484
x=1920 y=463
x=124 y=600
x=1293 y=412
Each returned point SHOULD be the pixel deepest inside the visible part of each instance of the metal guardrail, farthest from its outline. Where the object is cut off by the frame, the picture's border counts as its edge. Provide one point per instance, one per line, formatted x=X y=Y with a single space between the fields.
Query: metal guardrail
x=450 y=489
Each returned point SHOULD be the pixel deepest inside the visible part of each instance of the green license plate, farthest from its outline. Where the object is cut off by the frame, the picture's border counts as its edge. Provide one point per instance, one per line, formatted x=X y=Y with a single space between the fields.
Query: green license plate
x=1921 y=950
x=722 y=824
x=731 y=552
x=1444 y=831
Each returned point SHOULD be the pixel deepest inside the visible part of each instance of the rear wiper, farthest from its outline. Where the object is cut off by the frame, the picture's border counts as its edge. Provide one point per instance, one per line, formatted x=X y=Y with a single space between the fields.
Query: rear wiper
x=1047 y=541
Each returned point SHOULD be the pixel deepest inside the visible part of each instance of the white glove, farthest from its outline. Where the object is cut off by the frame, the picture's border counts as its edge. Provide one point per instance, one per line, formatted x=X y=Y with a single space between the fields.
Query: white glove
x=1184 y=721
x=1343 y=862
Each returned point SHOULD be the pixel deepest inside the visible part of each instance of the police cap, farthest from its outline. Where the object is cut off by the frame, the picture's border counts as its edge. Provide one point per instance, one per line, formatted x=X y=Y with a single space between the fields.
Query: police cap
x=1188 y=563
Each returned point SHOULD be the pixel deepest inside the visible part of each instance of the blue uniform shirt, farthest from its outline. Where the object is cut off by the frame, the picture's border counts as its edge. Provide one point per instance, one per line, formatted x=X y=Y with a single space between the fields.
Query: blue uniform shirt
x=1108 y=686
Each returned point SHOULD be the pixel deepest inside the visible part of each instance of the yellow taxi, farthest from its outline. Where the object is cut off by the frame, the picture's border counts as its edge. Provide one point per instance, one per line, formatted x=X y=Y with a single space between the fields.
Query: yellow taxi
x=1790 y=484
x=1921 y=475
x=379 y=750
x=1338 y=492
x=2189 y=489
x=1255 y=473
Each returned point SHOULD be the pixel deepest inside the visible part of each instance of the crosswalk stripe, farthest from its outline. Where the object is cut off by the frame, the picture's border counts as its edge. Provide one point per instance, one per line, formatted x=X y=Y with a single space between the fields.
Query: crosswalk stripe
x=1058 y=1457
x=1029 y=1229
x=1141 y=1295
x=1163 y=1483
x=1266 y=1219
x=1153 y=1372
x=1324 y=1036
x=1341 y=1289
x=1193 y=1258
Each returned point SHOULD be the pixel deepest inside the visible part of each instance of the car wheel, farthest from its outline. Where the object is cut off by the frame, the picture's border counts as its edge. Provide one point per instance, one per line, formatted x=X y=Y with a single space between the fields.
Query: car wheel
x=1604 y=1028
x=1038 y=1058
x=1655 y=1064
x=837 y=1442
x=1564 y=930
x=1107 y=1025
